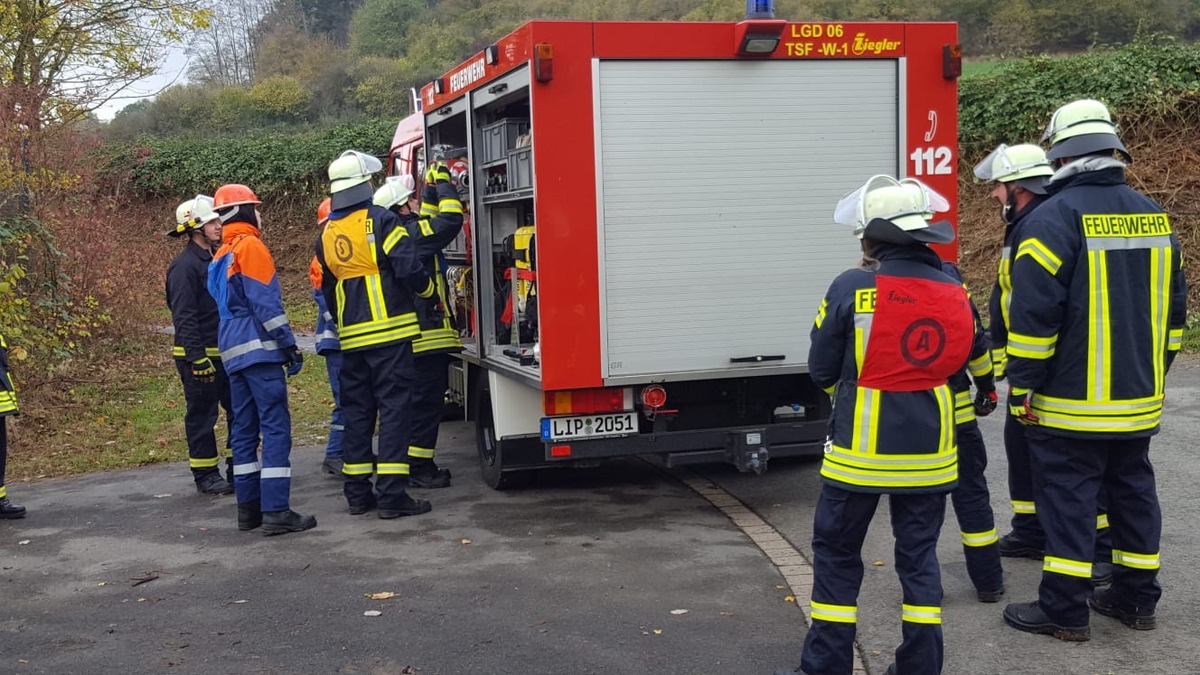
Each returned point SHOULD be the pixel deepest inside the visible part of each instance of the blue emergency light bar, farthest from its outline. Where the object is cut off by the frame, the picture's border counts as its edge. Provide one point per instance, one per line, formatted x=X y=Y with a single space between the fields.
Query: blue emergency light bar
x=760 y=9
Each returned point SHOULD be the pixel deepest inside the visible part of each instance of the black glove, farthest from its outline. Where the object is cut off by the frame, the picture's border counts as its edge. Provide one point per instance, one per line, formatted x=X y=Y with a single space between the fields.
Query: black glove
x=1018 y=406
x=437 y=173
x=204 y=371
x=985 y=402
x=295 y=361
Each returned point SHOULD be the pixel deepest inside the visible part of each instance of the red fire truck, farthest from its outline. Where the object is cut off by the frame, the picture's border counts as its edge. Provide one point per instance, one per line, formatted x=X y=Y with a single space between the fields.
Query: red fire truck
x=651 y=226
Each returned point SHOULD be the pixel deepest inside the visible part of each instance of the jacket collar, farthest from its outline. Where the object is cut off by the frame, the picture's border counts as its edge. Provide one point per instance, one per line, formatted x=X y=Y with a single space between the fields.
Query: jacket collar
x=1022 y=213
x=338 y=214
x=1087 y=171
x=202 y=252
x=232 y=231
x=915 y=252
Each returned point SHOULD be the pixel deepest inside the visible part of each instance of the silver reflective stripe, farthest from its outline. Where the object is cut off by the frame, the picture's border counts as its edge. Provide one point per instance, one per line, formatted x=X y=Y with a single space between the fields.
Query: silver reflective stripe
x=863 y=322
x=1015 y=342
x=1130 y=244
x=1099 y=318
x=337 y=427
x=246 y=347
x=867 y=399
x=243 y=469
x=328 y=316
x=328 y=335
x=277 y=472
x=883 y=460
x=272 y=324
x=1103 y=424
x=1138 y=407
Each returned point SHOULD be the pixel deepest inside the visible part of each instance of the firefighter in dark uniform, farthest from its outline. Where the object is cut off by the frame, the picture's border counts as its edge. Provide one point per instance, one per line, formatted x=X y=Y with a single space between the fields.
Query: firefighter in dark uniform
x=971 y=499
x=887 y=337
x=1096 y=317
x=439 y=222
x=370 y=271
x=8 y=407
x=194 y=315
x=1019 y=174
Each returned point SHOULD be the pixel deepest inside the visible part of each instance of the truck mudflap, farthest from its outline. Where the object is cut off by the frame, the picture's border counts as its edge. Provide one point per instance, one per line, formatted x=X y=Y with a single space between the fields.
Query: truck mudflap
x=747 y=448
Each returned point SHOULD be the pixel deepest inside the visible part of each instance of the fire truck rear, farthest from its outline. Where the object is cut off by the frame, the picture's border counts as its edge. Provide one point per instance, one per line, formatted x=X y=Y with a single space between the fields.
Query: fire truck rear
x=650 y=230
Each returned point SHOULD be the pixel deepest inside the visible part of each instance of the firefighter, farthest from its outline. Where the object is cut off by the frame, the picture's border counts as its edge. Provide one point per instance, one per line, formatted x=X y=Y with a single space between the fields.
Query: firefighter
x=886 y=338
x=194 y=316
x=971 y=499
x=8 y=406
x=256 y=345
x=370 y=271
x=439 y=222
x=328 y=347
x=1019 y=173
x=1097 y=281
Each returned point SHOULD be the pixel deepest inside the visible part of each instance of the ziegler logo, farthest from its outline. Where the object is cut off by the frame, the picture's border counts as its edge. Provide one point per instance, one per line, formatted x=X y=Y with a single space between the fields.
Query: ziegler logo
x=862 y=45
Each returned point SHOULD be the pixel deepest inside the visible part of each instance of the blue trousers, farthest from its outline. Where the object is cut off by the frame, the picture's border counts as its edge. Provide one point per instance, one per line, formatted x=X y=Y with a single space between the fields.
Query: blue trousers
x=1070 y=473
x=260 y=406
x=377 y=383
x=428 y=401
x=839 y=528
x=973 y=508
x=337 y=427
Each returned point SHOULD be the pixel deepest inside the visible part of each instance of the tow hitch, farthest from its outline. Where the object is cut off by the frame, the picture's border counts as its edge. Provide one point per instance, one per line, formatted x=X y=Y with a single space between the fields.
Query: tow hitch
x=747 y=450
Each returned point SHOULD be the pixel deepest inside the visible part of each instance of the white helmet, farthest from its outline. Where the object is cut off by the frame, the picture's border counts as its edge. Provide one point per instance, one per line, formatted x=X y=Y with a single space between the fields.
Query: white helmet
x=1026 y=164
x=395 y=190
x=1080 y=128
x=348 y=178
x=896 y=211
x=194 y=214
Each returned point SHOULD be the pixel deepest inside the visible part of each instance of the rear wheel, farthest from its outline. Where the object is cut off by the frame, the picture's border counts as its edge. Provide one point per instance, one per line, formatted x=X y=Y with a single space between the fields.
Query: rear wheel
x=491 y=449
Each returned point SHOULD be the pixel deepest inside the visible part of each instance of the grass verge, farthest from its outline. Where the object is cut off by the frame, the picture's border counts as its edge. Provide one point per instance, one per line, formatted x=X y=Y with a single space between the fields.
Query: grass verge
x=133 y=416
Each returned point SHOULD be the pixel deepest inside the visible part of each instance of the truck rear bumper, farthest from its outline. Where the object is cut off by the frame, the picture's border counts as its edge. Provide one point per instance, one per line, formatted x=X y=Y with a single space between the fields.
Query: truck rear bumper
x=748 y=448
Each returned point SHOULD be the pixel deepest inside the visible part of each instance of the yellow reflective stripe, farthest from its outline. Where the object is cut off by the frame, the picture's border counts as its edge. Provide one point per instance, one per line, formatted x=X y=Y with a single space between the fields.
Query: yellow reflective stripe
x=921 y=614
x=394 y=238
x=821 y=313
x=1099 y=367
x=1071 y=568
x=1041 y=254
x=947 y=445
x=999 y=361
x=1175 y=339
x=1031 y=346
x=406 y=319
x=831 y=389
x=375 y=296
x=1115 y=416
x=1004 y=278
x=964 y=415
x=819 y=611
x=964 y=406
x=391 y=468
x=1159 y=296
x=428 y=292
x=1101 y=521
x=889 y=461
x=203 y=462
x=423 y=453
x=450 y=205
x=426 y=227
x=365 y=469
x=8 y=401
x=428 y=210
x=862 y=336
x=340 y=292
x=977 y=539
x=1139 y=561
x=1146 y=404
x=888 y=478
x=380 y=338
x=3 y=492
x=212 y=352
x=866 y=421
x=1023 y=508
x=981 y=365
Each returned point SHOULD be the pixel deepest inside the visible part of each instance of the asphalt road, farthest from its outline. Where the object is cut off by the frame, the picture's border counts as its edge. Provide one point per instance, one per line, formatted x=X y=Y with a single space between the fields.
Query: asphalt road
x=133 y=572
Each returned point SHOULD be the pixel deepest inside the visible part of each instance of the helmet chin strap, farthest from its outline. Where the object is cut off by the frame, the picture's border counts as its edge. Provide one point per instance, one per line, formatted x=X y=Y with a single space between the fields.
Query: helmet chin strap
x=1010 y=203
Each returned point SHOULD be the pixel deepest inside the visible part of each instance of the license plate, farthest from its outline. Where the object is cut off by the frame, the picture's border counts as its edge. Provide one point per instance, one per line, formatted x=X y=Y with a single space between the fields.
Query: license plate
x=588 y=426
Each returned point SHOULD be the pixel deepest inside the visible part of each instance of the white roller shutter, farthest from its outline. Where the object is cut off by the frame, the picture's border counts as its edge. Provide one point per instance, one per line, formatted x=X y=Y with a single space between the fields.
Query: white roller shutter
x=717 y=182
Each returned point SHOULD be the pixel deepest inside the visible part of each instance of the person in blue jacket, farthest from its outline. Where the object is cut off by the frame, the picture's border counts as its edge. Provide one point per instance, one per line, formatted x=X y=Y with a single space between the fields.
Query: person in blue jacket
x=331 y=350
x=256 y=344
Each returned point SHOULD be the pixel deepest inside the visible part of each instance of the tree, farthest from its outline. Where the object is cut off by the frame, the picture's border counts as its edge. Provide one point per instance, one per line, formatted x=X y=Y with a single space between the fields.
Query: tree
x=226 y=51
x=72 y=56
x=281 y=99
x=379 y=27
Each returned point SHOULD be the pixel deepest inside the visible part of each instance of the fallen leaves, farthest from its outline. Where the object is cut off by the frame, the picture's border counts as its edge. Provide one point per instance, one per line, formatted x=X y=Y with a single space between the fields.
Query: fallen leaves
x=23 y=542
x=878 y=563
x=372 y=612
x=466 y=541
x=384 y=595
x=789 y=598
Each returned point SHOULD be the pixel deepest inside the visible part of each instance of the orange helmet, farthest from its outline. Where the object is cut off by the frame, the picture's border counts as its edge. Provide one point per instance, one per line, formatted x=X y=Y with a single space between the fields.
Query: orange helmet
x=323 y=211
x=233 y=194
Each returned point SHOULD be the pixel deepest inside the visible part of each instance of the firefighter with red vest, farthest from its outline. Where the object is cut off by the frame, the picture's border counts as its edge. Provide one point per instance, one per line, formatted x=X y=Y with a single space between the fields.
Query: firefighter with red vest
x=370 y=272
x=886 y=338
x=8 y=407
x=329 y=348
x=1019 y=173
x=971 y=498
x=257 y=345
x=439 y=222
x=194 y=316
x=1096 y=317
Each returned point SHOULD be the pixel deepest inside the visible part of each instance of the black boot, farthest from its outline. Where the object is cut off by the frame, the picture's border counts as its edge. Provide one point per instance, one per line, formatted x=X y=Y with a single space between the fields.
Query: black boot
x=362 y=507
x=213 y=484
x=9 y=510
x=282 y=522
x=1106 y=602
x=407 y=507
x=1012 y=546
x=1029 y=617
x=990 y=596
x=1102 y=573
x=333 y=467
x=249 y=515
x=423 y=473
